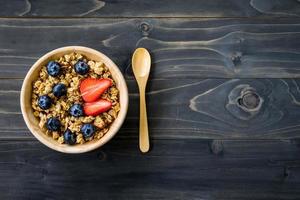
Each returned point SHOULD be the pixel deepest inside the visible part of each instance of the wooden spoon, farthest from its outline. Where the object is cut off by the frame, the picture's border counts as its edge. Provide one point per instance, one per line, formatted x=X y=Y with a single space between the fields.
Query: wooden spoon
x=141 y=63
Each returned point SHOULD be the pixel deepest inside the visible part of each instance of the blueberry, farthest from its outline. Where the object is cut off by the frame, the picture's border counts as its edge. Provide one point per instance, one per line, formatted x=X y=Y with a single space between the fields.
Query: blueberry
x=53 y=68
x=76 y=110
x=53 y=124
x=69 y=137
x=59 y=90
x=81 y=67
x=44 y=102
x=87 y=130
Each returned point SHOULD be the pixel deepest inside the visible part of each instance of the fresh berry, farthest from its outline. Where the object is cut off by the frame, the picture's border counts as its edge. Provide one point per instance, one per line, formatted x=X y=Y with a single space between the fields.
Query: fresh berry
x=53 y=68
x=59 y=90
x=44 y=102
x=81 y=67
x=97 y=107
x=69 y=137
x=53 y=124
x=76 y=110
x=87 y=130
x=92 y=88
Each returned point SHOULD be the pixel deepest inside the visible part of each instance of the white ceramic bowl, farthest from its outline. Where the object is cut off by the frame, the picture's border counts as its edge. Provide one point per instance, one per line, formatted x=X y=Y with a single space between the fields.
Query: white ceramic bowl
x=32 y=122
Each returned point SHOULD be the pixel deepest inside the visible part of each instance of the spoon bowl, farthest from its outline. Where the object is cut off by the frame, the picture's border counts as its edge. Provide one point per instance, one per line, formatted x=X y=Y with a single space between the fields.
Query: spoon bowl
x=141 y=63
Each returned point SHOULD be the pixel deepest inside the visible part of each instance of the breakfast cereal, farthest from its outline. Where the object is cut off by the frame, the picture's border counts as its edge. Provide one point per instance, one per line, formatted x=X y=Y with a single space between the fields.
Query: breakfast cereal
x=66 y=102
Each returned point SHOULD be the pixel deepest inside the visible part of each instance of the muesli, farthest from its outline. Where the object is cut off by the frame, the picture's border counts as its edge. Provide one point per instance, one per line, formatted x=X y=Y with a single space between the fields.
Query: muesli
x=75 y=99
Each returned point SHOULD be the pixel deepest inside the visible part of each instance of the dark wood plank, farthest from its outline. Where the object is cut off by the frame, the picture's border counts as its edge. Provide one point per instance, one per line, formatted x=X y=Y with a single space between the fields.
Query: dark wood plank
x=181 y=48
x=195 y=108
x=144 y=8
x=186 y=169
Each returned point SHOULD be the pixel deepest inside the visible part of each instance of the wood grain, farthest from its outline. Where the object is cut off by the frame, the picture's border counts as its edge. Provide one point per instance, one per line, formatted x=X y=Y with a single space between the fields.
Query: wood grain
x=182 y=169
x=195 y=108
x=180 y=48
x=144 y=8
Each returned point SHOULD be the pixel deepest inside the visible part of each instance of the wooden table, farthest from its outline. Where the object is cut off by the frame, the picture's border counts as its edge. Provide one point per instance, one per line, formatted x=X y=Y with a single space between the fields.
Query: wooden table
x=223 y=99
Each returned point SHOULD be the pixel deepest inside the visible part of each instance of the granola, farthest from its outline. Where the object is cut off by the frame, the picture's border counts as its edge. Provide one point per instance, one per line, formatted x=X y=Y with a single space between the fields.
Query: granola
x=60 y=106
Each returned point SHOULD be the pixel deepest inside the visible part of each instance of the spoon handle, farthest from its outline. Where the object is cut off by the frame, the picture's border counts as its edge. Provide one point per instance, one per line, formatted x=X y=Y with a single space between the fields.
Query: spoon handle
x=144 y=135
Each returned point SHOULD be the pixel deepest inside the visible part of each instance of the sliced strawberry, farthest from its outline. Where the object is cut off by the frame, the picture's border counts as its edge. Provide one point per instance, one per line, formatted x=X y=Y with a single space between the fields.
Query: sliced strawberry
x=92 y=88
x=97 y=107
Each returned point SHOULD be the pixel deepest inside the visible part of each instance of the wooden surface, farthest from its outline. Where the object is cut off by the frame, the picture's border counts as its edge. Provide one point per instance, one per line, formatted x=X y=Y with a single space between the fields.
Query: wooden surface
x=181 y=48
x=153 y=8
x=176 y=169
x=223 y=99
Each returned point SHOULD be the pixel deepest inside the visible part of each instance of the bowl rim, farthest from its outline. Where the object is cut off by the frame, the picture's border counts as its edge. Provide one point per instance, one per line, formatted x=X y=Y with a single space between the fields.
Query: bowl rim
x=88 y=147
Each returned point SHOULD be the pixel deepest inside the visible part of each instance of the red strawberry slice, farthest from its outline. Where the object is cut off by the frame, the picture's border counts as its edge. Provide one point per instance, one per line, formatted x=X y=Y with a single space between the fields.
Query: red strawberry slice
x=97 y=107
x=92 y=88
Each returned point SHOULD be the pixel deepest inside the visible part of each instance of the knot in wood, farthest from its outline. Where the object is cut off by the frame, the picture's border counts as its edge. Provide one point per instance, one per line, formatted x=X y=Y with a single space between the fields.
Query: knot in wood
x=250 y=100
x=216 y=147
x=240 y=40
x=144 y=27
x=286 y=172
x=101 y=156
x=236 y=58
